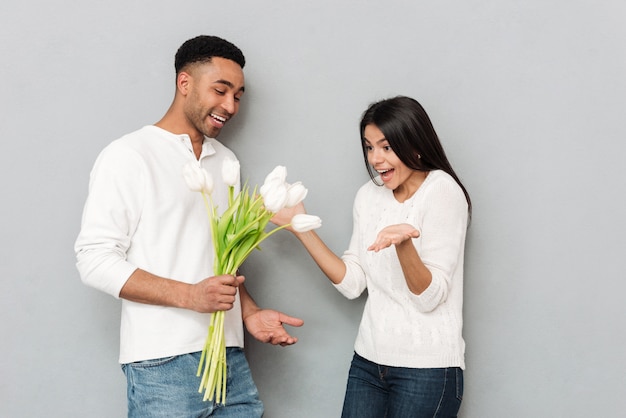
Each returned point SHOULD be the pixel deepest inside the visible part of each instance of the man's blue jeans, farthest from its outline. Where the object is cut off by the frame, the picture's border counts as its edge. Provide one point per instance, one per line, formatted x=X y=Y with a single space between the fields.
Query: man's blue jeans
x=168 y=388
x=375 y=391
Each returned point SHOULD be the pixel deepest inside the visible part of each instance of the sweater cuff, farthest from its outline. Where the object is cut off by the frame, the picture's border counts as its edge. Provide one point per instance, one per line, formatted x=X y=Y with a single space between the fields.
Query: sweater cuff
x=427 y=301
x=110 y=279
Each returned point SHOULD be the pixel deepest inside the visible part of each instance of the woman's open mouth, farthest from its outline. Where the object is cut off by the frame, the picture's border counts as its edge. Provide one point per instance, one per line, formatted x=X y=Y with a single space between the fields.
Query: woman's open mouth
x=386 y=175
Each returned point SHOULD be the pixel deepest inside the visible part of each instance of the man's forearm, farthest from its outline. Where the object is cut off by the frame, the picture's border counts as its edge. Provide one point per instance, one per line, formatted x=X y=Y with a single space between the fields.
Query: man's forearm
x=144 y=287
x=248 y=305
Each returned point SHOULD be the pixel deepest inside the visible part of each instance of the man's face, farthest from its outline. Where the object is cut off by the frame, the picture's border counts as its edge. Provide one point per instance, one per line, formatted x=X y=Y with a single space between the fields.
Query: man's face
x=213 y=93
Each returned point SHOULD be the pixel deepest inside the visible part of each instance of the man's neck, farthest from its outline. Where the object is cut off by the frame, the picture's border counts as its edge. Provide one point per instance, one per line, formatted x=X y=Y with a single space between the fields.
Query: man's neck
x=177 y=125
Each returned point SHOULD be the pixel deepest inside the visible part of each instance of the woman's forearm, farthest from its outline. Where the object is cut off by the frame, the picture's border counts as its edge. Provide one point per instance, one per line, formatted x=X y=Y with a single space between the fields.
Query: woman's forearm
x=333 y=267
x=416 y=274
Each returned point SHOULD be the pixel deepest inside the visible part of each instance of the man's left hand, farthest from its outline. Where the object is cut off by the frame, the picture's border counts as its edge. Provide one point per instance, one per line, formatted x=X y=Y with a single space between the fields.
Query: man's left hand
x=266 y=325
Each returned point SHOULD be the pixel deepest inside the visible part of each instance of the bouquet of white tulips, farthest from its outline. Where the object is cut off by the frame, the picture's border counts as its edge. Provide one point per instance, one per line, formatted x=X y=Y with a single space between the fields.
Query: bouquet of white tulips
x=235 y=233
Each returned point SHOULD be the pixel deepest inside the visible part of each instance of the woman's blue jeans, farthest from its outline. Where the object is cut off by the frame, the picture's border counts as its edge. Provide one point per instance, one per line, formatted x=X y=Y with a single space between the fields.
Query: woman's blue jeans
x=168 y=388
x=375 y=391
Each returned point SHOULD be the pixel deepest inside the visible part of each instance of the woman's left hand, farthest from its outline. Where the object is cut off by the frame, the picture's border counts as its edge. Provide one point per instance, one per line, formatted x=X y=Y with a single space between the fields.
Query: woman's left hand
x=393 y=235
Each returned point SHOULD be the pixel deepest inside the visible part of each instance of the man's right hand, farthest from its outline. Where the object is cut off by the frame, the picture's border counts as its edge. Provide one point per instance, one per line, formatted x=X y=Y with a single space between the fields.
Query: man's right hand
x=214 y=293
x=211 y=294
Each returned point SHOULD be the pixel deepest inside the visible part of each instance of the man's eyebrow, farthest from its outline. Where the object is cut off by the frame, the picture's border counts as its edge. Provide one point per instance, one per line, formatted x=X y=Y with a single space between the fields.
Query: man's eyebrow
x=229 y=84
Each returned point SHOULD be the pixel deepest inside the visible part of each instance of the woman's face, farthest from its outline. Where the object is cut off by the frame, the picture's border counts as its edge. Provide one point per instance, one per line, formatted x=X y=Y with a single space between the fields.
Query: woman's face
x=394 y=174
x=383 y=159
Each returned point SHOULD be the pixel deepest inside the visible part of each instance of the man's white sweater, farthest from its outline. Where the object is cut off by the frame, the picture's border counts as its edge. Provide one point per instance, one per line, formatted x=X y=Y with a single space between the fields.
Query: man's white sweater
x=141 y=214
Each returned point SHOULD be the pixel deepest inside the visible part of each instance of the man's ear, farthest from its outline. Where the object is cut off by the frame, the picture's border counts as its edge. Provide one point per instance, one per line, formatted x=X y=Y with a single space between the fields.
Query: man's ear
x=183 y=81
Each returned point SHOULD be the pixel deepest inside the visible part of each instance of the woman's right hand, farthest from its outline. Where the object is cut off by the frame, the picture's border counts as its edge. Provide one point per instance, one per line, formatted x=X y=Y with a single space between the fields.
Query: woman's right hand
x=283 y=217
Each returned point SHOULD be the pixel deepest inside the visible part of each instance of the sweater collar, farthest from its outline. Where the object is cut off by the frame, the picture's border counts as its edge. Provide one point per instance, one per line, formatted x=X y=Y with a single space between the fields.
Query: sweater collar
x=207 y=145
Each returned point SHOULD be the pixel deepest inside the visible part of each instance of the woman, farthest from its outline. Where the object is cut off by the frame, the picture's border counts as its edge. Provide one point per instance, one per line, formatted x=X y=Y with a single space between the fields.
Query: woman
x=407 y=249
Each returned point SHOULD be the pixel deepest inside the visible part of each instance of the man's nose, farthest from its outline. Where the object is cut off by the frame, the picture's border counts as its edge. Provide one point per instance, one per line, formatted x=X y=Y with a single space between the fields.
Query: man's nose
x=230 y=105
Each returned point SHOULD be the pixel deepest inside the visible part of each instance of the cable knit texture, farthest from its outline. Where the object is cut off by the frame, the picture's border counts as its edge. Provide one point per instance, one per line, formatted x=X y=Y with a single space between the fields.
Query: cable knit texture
x=141 y=214
x=399 y=328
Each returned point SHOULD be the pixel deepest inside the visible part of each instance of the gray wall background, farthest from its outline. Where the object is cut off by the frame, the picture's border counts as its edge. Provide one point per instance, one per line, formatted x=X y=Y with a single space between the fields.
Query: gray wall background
x=528 y=98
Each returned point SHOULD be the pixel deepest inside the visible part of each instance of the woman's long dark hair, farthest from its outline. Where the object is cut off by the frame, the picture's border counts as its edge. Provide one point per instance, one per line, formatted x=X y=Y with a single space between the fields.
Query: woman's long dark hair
x=411 y=136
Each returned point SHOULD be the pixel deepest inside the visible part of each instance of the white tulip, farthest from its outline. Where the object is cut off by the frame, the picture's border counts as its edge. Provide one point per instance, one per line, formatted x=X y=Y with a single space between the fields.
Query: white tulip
x=304 y=222
x=197 y=178
x=279 y=173
x=295 y=194
x=230 y=172
x=274 y=195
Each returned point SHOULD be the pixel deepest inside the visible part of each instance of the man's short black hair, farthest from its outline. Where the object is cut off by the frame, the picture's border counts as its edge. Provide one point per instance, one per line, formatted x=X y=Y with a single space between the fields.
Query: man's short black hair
x=204 y=47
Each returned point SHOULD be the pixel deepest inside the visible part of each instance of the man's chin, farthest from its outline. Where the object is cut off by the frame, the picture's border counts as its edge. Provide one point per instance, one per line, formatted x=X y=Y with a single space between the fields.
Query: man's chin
x=212 y=132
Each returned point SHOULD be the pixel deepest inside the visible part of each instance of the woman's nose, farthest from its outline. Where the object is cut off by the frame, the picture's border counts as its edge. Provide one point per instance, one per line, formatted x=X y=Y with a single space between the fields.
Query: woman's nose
x=376 y=156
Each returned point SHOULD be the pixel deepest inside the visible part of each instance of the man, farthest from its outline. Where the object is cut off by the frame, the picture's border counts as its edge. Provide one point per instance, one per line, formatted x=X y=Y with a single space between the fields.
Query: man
x=145 y=239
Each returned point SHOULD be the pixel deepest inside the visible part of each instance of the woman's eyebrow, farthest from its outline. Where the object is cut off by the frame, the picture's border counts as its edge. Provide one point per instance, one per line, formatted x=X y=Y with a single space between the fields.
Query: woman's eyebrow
x=381 y=140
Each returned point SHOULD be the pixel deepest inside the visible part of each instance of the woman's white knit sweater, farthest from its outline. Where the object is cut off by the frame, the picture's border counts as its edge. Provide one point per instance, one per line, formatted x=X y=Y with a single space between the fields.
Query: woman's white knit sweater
x=399 y=328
